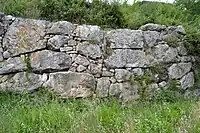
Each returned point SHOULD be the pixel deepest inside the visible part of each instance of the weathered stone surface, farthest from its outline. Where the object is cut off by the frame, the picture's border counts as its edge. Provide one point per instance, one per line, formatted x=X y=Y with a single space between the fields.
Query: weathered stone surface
x=124 y=38
x=138 y=72
x=81 y=68
x=56 y=42
x=48 y=60
x=107 y=73
x=103 y=85
x=162 y=84
x=187 y=81
x=151 y=38
x=124 y=91
x=89 y=50
x=72 y=84
x=181 y=49
x=25 y=35
x=127 y=58
x=164 y=53
x=122 y=75
x=89 y=32
x=177 y=71
x=60 y=27
x=95 y=69
x=6 y=55
x=21 y=82
x=152 y=27
x=12 y=65
x=81 y=60
x=1 y=28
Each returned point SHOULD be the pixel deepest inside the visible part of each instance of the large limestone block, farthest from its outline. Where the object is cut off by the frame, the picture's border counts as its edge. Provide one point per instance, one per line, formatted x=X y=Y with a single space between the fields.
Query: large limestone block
x=122 y=75
x=89 y=32
x=187 y=81
x=151 y=38
x=89 y=50
x=12 y=65
x=72 y=84
x=177 y=71
x=103 y=85
x=25 y=35
x=124 y=38
x=48 y=60
x=121 y=58
x=56 y=42
x=60 y=27
x=21 y=82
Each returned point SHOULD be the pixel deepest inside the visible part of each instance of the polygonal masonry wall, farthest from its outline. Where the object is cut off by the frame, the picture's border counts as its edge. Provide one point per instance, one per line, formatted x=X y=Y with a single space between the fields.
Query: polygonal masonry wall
x=83 y=60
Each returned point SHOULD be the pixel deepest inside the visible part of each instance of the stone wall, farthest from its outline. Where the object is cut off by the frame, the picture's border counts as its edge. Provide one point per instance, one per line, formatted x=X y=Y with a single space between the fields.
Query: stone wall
x=83 y=60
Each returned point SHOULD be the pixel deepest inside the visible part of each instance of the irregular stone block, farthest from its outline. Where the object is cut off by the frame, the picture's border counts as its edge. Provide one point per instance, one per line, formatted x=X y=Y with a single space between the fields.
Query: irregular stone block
x=177 y=71
x=89 y=32
x=81 y=68
x=121 y=58
x=81 y=60
x=21 y=82
x=164 y=53
x=72 y=84
x=12 y=65
x=48 y=61
x=61 y=27
x=25 y=35
x=122 y=75
x=89 y=50
x=56 y=42
x=187 y=81
x=124 y=38
x=124 y=91
x=95 y=69
x=152 y=27
x=103 y=85
x=151 y=38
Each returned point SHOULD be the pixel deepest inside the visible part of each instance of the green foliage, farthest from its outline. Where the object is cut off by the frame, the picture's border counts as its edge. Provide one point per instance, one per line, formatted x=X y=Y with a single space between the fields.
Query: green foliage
x=43 y=112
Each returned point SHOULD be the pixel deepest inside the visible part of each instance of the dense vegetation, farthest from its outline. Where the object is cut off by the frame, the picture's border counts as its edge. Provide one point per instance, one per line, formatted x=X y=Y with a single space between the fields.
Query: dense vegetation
x=44 y=112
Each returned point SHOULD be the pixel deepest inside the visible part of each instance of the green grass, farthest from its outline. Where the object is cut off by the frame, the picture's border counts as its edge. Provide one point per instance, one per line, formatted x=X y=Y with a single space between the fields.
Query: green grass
x=43 y=112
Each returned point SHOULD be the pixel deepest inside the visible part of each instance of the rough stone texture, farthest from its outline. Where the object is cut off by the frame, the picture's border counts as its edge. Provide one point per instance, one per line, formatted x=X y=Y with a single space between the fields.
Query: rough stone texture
x=61 y=27
x=89 y=50
x=72 y=84
x=25 y=35
x=122 y=75
x=177 y=71
x=125 y=91
x=103 y=85
x=82 y=60
x=187 y=81
x=89 y=32
x=48 y=60
x=21 y=82
x=124 y=38
x=56 y=42
x=12 y=65
x=127 y=58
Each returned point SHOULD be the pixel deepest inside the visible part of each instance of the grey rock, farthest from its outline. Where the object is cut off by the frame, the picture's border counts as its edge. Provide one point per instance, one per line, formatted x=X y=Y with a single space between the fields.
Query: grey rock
x=66 y=49
x=56 y=42
x=187 y=81
x=124 y=91
x=127 y=58
x=162 y=84
x=25 y=35
x=152 y=27
x=48 y=60
x=95 y=69
x=12 y=65
x=122 y=75
x=61 y=27
x=125 y=38
x=181 y=49
x=185 y=59
x=177 y=71
x=103 y=85
x=21 y=82
x=89 y=50
x=71 y=84
x=137 y=72
x=81 y=60
x=151 y=38
x=89 y=32
x=6 y=55
x=1 y=28
x=164 y=53
x=107 y=73
x=81 y=68
x=113 y=80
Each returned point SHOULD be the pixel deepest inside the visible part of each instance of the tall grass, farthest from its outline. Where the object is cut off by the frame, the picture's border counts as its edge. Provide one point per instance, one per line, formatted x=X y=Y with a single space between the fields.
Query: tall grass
x=43 y=112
